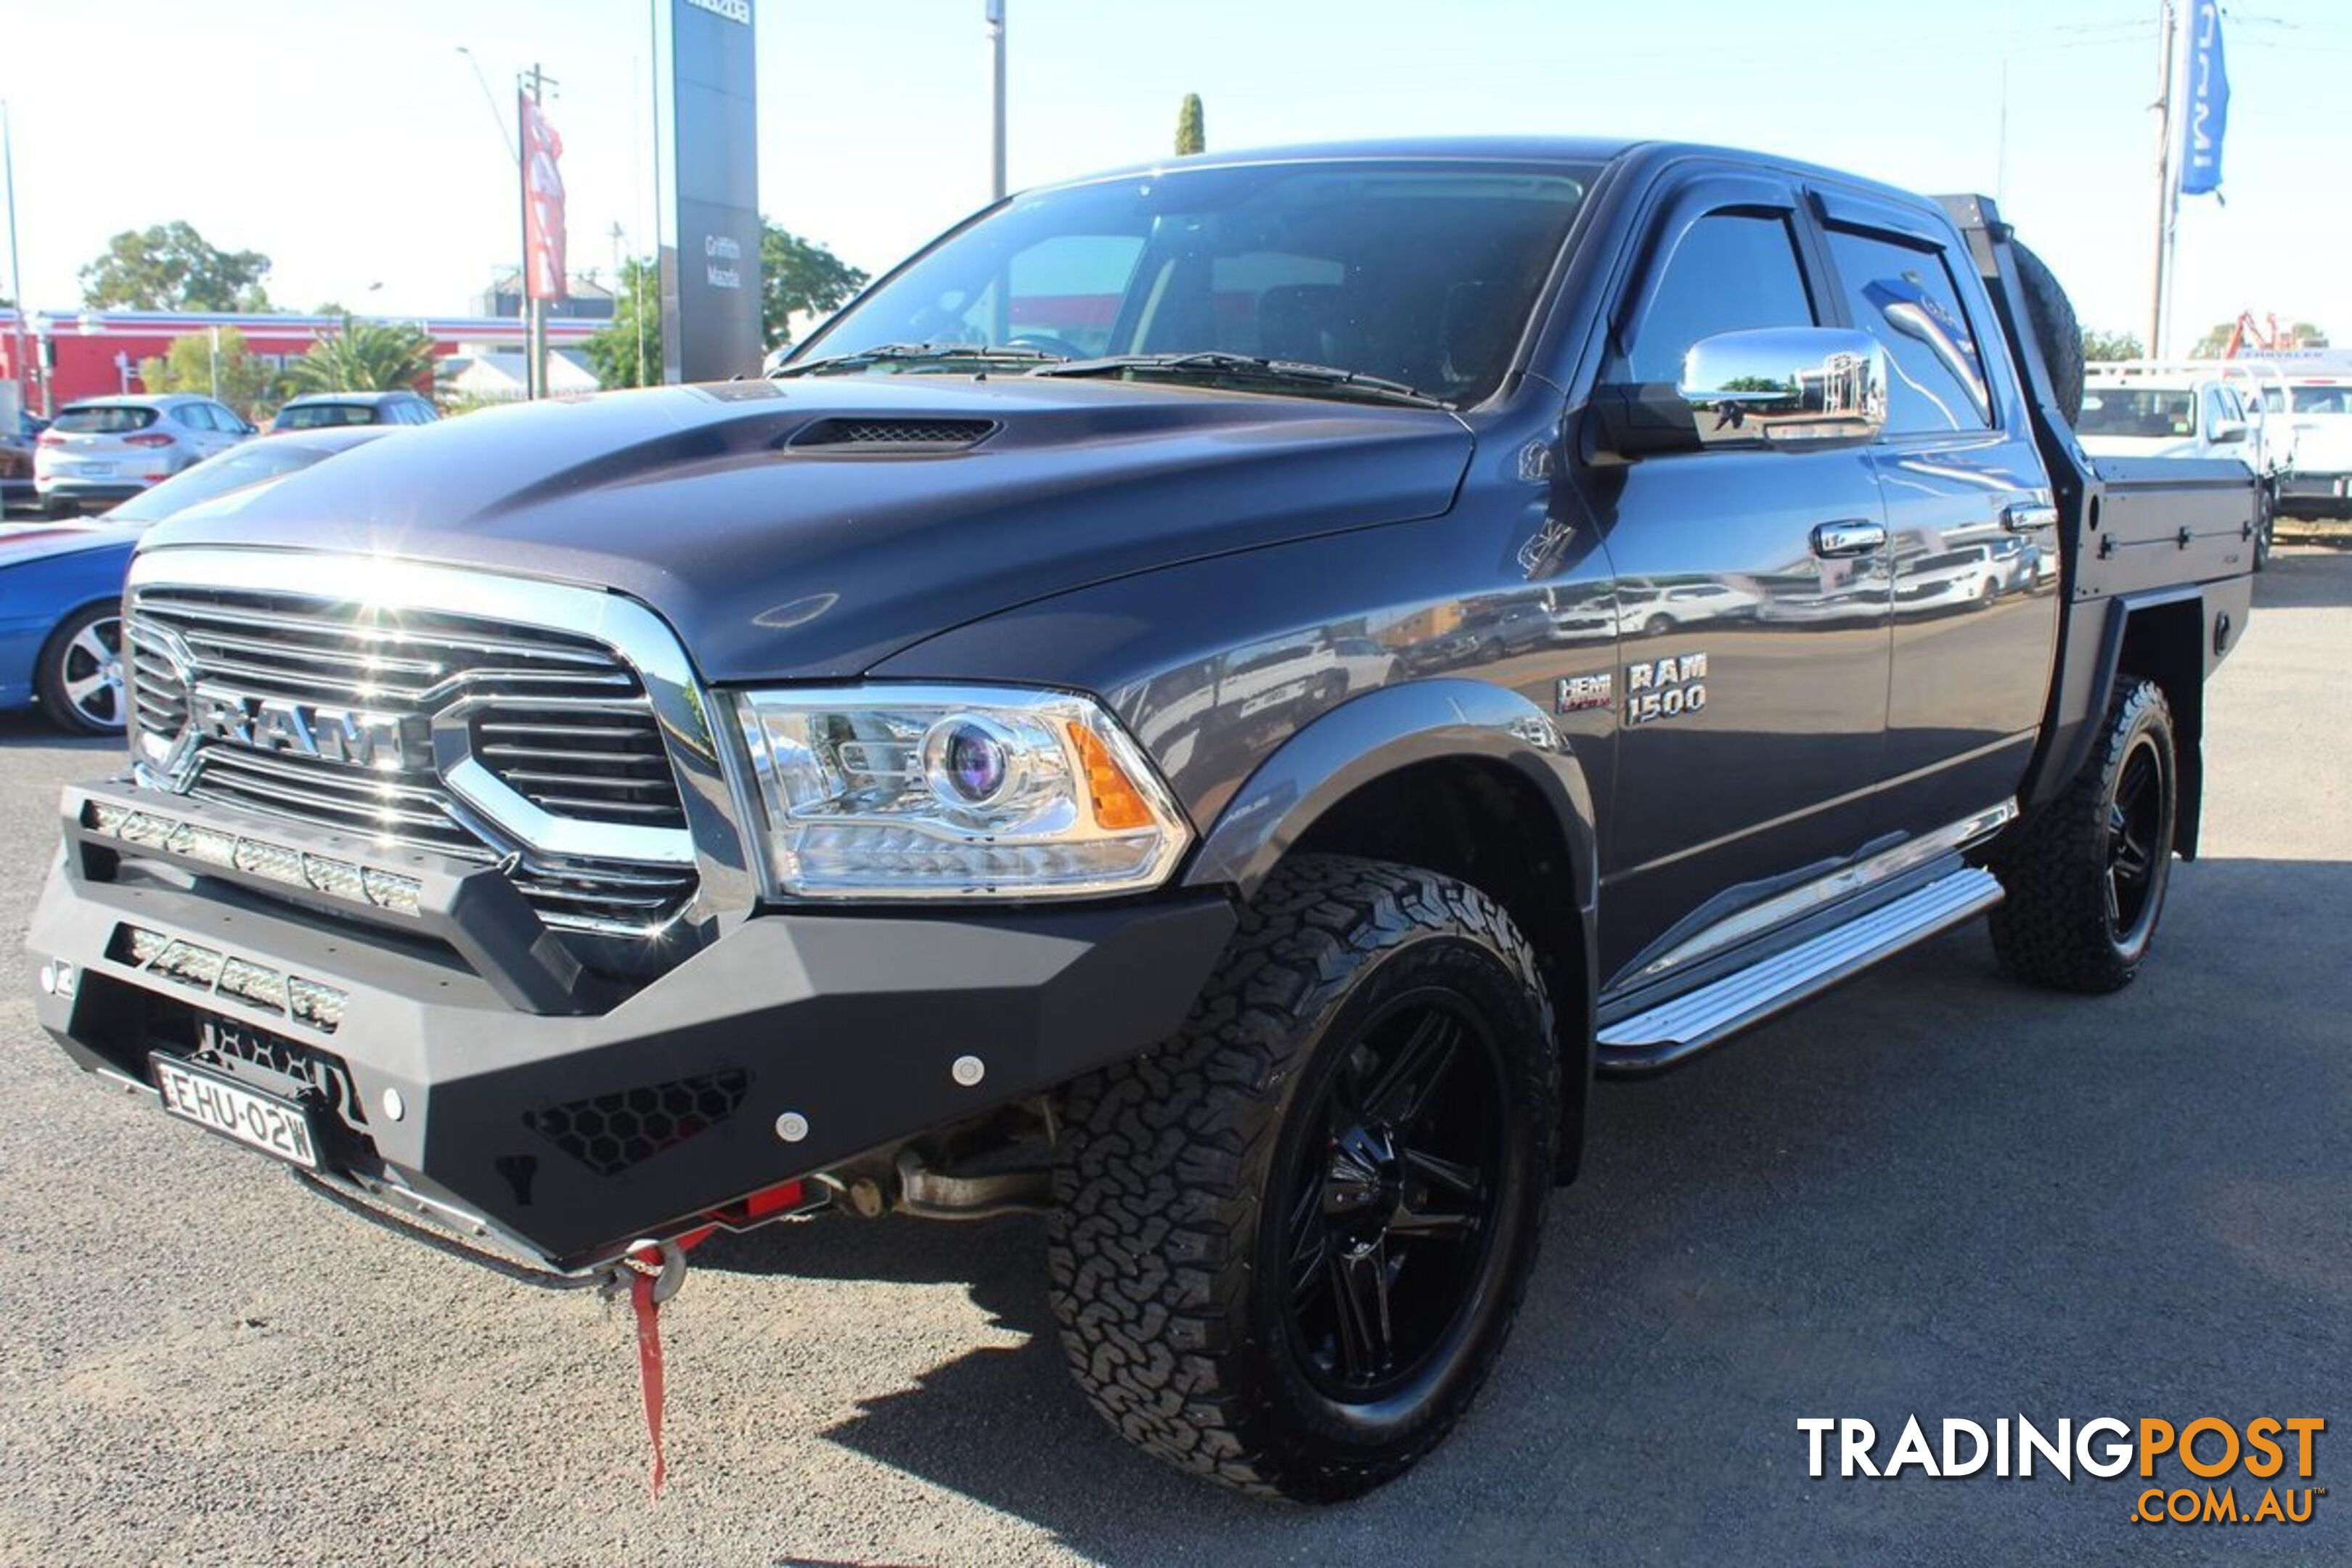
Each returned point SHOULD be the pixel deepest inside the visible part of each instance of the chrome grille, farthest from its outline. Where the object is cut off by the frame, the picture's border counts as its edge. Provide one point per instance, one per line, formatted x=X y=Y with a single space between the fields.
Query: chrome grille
x=156 y=690
x=580 y=761
x=557 y=718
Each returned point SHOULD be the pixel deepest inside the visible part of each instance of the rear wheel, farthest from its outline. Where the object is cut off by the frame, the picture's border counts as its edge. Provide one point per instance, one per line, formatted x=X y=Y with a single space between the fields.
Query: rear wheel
x=2085 y=876
x=1286 y=1249
x=80 y=680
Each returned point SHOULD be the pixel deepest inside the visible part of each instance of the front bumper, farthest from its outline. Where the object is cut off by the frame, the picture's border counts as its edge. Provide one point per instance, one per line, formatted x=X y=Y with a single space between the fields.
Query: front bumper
x=2315 y=495
x=565 y=1120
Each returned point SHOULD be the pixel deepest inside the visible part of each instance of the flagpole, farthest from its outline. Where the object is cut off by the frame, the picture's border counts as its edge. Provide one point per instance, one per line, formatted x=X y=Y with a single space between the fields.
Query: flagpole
x=2167 y=186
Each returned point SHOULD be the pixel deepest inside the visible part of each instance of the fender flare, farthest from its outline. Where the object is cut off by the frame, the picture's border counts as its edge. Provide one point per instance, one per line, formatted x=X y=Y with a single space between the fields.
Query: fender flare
x=2181 y=648
x=1378 y=733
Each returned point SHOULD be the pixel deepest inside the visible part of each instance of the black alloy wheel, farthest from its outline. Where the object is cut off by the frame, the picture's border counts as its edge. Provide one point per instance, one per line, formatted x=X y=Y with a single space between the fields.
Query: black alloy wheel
x=2136 y=821
x=1392 y=1209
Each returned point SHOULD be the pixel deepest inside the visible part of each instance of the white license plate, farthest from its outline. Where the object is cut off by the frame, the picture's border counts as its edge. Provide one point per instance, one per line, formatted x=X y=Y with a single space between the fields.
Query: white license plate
x=271 y=1125
x=89 y=470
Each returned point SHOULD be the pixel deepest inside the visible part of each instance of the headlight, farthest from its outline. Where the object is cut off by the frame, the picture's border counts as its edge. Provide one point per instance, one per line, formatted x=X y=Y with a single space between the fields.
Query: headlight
x=951 y=791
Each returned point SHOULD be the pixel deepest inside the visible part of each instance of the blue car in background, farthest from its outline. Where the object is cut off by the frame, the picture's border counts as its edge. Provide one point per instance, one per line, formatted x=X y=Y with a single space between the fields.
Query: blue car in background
x=61 y=583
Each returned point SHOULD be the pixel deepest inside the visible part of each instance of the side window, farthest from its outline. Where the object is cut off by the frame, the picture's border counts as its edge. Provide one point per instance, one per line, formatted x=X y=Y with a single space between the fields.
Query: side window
x=1903 y=295
x=1729 y=272
x=2220 y=409
x=196 y=416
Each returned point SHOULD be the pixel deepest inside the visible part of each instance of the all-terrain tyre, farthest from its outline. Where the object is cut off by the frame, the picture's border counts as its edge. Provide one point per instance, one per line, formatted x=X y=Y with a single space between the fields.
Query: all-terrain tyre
x=2051 y=315
x=2085 y=875
x=1286 y=1248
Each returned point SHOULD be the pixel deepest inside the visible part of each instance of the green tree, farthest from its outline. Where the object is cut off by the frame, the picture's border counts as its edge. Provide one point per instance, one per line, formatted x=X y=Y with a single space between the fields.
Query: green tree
x=618 y=355
x=798 y=275
x=170 y=266
x=1191 y=127
x=230 y=372
x=364 y=356
x=2214 y=342
x=2098 y=345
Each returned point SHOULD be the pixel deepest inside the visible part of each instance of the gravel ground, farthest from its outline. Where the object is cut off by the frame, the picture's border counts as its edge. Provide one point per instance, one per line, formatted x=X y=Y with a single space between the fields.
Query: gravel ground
x=1934 y=1191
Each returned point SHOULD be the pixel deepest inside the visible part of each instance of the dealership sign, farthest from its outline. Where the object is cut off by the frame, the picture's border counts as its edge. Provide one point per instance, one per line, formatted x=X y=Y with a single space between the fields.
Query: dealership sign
x=710 y=252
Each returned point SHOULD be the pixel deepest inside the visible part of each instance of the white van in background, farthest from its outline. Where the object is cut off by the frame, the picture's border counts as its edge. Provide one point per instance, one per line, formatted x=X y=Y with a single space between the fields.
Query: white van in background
x=2316 y=398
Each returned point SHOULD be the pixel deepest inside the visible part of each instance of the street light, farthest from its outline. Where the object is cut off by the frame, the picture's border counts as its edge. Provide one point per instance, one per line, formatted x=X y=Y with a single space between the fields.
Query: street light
x=995 y=15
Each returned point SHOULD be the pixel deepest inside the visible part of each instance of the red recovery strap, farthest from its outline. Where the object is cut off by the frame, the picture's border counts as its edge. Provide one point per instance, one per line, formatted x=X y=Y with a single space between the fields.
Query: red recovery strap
x=645 y=1271
x=655 y=1271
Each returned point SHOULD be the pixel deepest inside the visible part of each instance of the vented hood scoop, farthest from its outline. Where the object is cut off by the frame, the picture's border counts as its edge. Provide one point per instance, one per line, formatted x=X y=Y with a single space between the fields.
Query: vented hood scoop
x=910 y=436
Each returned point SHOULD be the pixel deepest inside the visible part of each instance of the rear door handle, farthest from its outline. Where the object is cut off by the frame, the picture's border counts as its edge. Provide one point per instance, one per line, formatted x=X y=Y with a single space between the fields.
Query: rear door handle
x=2028 y=516
x=1833 y=540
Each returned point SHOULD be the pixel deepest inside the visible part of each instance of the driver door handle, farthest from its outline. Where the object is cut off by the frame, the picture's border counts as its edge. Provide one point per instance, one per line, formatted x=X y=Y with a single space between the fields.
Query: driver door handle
x=1833 y=541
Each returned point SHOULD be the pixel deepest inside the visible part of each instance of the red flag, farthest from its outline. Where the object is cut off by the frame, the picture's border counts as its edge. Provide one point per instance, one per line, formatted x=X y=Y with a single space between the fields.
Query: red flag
x=543 y=205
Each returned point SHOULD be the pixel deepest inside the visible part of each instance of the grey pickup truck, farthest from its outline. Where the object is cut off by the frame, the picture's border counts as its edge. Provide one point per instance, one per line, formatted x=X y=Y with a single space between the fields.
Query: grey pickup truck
x=1210 y=703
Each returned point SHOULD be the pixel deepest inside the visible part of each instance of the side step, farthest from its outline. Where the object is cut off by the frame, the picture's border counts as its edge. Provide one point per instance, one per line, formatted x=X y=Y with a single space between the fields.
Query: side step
x=1674 y=1031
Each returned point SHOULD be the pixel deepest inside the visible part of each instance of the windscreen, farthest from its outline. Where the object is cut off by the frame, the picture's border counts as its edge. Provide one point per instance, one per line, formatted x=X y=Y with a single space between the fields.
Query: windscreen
x=232 y=470
x=323 y=416
x=1422 y=273
x=106 y=419
x=2140 y=411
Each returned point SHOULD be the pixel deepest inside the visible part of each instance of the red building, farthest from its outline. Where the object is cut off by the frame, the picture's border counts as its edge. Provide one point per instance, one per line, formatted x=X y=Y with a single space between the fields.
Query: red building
x=91 y=354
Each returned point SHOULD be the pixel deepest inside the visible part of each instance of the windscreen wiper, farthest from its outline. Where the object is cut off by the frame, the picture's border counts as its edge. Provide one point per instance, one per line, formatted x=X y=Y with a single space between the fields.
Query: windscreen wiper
x=1215 y=364
x=919 y=353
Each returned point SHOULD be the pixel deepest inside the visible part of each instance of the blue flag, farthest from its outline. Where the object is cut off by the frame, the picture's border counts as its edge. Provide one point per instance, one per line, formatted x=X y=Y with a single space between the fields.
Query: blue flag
x=2209 y=102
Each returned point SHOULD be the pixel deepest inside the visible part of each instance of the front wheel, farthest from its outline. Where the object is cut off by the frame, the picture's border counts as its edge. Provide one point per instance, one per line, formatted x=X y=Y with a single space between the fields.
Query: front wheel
x=80 y=680
x=2085 y=876
x=1286 y=1249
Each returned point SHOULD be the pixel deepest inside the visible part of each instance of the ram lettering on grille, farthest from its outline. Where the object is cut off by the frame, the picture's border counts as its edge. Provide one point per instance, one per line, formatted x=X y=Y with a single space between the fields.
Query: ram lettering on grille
x=319 y=710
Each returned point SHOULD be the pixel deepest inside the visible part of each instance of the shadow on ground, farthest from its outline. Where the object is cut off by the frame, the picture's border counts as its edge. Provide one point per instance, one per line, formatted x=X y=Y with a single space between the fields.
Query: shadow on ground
x=1936 y=1192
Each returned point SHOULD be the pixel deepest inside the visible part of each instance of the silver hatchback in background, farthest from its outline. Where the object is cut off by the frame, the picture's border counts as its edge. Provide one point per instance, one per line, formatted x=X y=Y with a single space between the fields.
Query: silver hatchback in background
x=101 y=450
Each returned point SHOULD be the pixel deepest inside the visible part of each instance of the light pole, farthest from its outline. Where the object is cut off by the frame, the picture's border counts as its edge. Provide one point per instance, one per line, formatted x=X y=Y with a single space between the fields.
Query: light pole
x=15 y=276
x=995 y=15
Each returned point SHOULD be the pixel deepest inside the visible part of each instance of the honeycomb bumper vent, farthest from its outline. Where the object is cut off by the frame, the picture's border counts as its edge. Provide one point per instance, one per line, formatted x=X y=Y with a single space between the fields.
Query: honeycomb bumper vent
x=610 y=1132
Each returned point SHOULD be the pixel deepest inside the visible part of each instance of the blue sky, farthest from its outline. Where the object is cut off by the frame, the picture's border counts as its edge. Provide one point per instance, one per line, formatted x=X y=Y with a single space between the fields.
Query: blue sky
x=351 y=142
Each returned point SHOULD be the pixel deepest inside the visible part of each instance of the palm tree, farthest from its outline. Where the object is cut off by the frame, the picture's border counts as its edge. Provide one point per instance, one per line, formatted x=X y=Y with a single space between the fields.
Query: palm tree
x=364 y=356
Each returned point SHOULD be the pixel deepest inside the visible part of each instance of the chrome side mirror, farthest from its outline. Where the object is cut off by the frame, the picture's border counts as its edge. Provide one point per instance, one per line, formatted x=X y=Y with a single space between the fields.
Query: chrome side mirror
x=1773 y=386
x=1786 y=384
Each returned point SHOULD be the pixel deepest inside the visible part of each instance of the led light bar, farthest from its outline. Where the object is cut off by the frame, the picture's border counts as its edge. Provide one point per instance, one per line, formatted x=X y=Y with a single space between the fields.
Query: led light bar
x=325 y=874
x=219 y=973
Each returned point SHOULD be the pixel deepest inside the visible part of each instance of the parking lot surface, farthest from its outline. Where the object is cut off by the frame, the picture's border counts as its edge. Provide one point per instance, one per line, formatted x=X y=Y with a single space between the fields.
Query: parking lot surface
x=1935 y=1192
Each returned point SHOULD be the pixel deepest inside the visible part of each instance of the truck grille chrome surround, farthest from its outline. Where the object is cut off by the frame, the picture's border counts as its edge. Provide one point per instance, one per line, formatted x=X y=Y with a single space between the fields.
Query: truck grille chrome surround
x=553 y=730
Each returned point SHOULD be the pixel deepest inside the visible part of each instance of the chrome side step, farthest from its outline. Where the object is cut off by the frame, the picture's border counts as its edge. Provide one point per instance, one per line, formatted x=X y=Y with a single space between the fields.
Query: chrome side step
x=1676 y=1029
